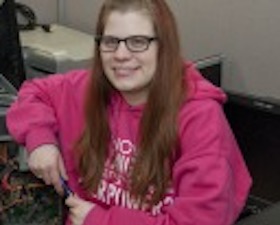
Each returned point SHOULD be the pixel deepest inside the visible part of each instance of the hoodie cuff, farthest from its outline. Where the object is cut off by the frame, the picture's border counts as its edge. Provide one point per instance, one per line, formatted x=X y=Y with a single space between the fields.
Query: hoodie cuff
x=38 y=137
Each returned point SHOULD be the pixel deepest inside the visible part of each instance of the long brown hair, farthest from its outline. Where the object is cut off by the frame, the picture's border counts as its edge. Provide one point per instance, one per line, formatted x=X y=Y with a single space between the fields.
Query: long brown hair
x=152 y=167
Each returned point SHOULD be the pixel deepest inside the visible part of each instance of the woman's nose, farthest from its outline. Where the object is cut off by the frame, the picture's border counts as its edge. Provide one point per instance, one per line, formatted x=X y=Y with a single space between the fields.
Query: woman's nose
x=122 y=52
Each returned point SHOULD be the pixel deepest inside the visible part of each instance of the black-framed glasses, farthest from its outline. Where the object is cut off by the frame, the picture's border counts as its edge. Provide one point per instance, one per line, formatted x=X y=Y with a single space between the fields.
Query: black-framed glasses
x=136 y=43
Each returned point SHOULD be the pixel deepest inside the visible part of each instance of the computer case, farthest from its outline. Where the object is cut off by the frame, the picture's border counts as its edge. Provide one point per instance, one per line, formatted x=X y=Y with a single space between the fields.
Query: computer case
x=57 y=51
x=255 y=122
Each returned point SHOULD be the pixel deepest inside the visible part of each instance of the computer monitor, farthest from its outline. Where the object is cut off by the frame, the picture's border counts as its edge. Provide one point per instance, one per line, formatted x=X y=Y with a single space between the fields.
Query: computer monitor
x=255 y=122
x=211 y=68
x=11 y=60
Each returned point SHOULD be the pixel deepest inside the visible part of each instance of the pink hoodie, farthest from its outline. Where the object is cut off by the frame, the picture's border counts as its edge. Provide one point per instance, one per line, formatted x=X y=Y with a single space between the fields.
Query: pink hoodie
x=210 y=181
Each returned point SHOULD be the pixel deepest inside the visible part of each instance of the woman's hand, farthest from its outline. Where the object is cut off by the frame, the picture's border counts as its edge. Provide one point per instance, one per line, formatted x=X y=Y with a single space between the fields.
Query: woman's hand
x=46 y=163
x=78 y=209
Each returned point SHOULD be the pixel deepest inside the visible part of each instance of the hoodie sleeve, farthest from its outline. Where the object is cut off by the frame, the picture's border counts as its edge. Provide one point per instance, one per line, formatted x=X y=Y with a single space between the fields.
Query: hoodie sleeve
x=32 y=118
x=210 y=179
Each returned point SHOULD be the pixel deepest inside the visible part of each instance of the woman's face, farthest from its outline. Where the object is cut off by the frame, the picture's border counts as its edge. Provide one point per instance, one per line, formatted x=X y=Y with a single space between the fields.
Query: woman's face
x=130 y=72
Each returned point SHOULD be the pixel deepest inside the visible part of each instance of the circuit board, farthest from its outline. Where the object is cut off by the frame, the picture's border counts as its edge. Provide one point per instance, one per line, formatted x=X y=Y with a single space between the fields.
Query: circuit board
x=24 y=199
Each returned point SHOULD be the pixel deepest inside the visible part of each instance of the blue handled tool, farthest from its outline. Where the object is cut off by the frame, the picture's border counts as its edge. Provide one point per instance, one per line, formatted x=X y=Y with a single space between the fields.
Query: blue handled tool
x=66 y=189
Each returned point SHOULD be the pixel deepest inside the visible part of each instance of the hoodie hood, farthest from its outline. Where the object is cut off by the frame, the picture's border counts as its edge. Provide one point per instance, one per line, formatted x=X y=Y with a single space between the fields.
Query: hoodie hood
x=199 y=87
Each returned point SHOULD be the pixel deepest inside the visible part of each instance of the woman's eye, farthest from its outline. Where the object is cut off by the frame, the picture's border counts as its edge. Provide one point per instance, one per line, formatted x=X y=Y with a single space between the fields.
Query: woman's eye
x=109 y=41
x=138 y=41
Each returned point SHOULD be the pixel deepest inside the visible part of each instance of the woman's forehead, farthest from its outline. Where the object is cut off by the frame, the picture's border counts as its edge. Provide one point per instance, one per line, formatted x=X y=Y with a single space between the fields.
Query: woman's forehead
x=133 y=22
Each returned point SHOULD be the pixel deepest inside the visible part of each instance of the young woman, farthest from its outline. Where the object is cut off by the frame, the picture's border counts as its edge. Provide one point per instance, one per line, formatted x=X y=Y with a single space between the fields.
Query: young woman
x=142 y=139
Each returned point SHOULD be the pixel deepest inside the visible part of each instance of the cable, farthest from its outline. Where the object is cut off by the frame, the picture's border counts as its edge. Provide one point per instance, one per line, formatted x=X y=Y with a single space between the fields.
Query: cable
x=29 y=16
x=30 y=19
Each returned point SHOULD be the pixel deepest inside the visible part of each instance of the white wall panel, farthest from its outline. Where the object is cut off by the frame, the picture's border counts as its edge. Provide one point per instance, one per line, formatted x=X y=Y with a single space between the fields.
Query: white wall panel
x=246 y=31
